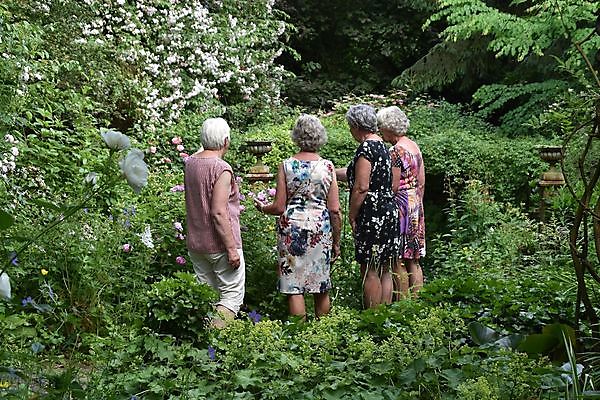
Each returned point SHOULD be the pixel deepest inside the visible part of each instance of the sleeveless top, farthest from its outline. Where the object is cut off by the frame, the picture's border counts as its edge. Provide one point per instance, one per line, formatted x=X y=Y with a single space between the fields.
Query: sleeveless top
x=200 y=177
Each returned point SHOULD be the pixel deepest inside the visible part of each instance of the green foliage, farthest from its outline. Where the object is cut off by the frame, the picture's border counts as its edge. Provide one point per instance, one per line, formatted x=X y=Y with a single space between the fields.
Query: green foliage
x=514 y=273
x=396 y=352
x=180 y=306
x=532 y=44
x=351 y=46
x=537 y=95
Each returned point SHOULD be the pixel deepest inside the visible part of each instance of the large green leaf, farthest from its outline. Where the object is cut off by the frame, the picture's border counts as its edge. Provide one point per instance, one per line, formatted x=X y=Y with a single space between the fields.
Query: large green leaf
x=510 y=341
x=6 y=220
x=539 y=343
x=481 y=334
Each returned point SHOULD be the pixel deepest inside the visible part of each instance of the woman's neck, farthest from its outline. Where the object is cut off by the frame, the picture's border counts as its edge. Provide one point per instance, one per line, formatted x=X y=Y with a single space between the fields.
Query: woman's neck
x=371 y=136
x=210 y=153
x=307 y=155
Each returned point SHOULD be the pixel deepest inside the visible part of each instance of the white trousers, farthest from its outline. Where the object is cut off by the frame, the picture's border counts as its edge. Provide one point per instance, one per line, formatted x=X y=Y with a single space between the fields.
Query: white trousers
x=214 y=269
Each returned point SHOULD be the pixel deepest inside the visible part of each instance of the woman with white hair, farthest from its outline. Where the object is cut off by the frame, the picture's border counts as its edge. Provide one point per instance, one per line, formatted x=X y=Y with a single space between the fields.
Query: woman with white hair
x=212 y=204
x=408 y=186
x=373 y=215
x=309 y=223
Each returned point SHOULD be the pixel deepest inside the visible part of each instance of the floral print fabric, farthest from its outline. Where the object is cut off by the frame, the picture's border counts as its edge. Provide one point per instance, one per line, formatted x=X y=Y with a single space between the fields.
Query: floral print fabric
x=376 y=234
x=304 y=229
x=410 y=203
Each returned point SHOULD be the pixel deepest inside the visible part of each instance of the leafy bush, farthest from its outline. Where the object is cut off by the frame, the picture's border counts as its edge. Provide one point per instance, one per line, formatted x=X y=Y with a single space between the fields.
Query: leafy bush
x=180 y=306
x=514 y=272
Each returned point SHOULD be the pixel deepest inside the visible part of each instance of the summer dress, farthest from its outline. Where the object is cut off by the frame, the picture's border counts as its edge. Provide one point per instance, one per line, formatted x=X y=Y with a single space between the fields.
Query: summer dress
x=376 y=235
x=409 y=202
x=304 y=229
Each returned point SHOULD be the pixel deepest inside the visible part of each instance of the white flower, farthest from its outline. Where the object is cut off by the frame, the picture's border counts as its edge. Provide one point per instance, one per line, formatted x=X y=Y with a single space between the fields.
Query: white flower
x=91 y=178
x=115 y=140
x=147 y=237
x=135 y=169
x=5 y=286
x=14 y=151
x=10 y=138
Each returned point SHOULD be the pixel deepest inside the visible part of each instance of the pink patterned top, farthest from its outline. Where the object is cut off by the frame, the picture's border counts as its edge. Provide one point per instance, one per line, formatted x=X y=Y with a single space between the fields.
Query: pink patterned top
x=200 y=177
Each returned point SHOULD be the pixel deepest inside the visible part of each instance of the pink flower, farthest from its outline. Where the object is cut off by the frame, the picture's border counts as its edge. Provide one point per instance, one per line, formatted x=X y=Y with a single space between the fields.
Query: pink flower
x=242 y=197
x=166 y=160
x=176 y=140
x=261 y=196
x=178 y=188
x=152 y=149
x=180 y=147
x=127 y=247
x=178 y=226
x=184 y=156
x=271 y=192
x=242 y=207
x=238 y=179
x=251 y=194
x=180 y=236
x=180 y=260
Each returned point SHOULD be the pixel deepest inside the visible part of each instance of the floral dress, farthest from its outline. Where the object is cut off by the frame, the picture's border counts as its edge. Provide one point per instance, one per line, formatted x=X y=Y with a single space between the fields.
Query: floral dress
x=376 y=235
x=304 y=229
x=410 y=203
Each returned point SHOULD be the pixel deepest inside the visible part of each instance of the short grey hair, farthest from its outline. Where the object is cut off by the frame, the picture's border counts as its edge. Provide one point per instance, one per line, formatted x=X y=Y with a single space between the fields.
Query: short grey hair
x=363 y=117
x=394 y=119
x=308 y=133
x=214 y=133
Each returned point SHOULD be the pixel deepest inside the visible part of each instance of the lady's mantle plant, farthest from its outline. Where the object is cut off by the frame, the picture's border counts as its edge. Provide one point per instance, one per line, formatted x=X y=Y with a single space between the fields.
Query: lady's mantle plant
x=131 y=167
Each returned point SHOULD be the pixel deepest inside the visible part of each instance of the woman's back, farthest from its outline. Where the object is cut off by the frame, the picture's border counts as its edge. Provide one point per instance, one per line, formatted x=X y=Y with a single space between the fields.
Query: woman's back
x=307 y=183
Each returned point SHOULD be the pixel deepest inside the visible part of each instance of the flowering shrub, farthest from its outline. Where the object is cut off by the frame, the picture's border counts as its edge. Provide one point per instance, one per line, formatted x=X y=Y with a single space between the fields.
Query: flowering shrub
x=191 y=55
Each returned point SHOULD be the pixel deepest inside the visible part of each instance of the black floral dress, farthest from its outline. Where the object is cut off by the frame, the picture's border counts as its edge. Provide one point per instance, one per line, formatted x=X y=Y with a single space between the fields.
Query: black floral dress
x=376 y=239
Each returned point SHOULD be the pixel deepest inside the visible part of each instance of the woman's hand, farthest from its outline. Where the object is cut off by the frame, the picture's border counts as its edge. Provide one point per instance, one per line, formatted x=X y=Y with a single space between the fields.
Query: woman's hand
x=234 y=258
x=336 y=253
x=259 y=205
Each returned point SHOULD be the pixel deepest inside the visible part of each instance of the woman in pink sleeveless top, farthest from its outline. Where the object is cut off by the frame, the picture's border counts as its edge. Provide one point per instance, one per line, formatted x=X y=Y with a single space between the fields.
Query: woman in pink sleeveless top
x=213 y=219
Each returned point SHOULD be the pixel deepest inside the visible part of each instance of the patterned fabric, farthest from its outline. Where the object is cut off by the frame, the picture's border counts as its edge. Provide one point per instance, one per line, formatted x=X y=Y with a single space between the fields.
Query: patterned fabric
x=304 y=229
x=410 y=203
x=376 y=236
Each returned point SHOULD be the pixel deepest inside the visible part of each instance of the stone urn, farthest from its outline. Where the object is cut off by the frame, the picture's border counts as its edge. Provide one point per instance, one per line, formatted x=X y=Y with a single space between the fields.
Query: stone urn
x=259 y=171
x=552 y=155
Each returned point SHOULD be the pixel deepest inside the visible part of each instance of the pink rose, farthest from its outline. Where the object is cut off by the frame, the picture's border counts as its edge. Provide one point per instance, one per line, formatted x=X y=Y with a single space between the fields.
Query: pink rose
x=127 y=247
x=271 y=192
x=176 y=140
x=180 y=147
x=152 y=150
x=180 y=260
